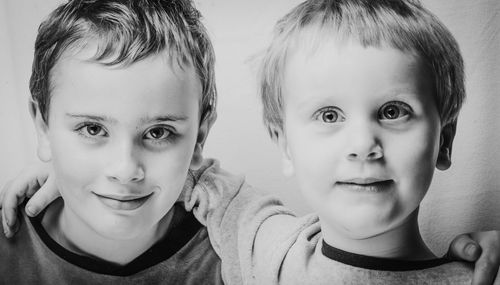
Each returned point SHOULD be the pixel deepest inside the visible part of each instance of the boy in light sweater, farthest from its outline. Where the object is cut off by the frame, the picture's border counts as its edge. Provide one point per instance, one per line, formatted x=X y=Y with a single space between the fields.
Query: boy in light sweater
x=362 y=98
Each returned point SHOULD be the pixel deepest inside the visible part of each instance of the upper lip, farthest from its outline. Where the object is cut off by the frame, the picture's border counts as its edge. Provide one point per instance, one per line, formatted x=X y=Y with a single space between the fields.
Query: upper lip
x=363 y=180
x=123 y=197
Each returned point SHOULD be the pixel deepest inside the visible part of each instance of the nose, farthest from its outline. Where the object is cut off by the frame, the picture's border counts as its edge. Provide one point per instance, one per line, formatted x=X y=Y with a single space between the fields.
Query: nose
x=124 y=166
x=364 y=145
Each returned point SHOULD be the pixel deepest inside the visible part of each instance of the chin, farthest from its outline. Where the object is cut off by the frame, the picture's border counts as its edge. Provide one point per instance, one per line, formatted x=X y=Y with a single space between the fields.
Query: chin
x=365 y=231
x=121 y=233
x=363 y=226
x=120 y=230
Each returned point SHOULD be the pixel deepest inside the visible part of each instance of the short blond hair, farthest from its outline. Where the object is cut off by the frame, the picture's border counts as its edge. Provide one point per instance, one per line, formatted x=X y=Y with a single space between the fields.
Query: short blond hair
x=125 y=31
x=401 y=24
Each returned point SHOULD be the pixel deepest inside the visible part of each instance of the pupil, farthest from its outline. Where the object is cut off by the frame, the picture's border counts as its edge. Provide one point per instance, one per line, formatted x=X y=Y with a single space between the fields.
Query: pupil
x=157 y=133
x=391 y=112
x=93 y=130
x=329 y=116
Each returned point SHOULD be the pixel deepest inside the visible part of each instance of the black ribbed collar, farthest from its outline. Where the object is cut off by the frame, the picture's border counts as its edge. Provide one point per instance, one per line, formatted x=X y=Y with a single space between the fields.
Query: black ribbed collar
x=183 y=228
x=377 y=263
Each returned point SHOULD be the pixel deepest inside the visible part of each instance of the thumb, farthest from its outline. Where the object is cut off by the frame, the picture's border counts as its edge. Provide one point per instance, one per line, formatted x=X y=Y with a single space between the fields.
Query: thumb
x=42 y=198
x=464 y=248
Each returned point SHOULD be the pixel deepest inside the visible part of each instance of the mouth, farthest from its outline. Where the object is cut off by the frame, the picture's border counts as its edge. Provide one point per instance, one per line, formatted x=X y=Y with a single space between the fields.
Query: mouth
x=123 y=203
x=365 y=185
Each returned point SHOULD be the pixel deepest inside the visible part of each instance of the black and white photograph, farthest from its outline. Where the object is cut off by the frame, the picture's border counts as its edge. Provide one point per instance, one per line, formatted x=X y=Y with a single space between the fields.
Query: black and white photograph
x=250 y=142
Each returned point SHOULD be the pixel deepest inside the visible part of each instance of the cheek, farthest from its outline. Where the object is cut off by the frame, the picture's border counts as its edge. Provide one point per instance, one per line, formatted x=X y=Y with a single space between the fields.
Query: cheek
x=315 y=161
x=167 y=178
x=74 y=167
x=413 y=159
x=168 y=170
x=167 y=173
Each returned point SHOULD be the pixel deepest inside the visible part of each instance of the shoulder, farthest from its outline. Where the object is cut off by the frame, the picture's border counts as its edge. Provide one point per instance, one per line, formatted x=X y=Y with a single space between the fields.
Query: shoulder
x=284 y=247
x=197 y=260
x=455 y=272
x=21 y=238
x=447 y=273
x=18 y=254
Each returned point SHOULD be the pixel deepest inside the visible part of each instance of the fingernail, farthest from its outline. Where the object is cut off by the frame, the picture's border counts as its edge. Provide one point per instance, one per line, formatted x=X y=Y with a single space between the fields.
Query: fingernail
x=471 y=249
x=30 y=210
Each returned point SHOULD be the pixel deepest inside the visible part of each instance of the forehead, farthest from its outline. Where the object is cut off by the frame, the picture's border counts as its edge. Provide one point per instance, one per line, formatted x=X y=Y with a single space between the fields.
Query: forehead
x=152 y=85
x=347 y=68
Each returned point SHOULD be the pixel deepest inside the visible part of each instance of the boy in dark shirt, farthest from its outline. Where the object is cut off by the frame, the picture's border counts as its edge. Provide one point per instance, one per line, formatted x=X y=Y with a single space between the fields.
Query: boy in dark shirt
x=123 y=96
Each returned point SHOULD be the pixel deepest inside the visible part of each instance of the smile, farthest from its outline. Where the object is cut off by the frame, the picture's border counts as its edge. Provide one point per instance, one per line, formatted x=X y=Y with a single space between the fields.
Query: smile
x=365 y=185
x=123 y=203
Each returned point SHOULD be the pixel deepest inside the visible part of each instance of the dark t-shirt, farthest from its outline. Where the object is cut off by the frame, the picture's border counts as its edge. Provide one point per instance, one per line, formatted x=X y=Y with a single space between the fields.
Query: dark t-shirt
x=183 y=256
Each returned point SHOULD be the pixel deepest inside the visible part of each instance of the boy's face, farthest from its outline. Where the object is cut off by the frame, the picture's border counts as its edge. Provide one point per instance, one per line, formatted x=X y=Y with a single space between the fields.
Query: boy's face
x=121 y=140
x=361 y=133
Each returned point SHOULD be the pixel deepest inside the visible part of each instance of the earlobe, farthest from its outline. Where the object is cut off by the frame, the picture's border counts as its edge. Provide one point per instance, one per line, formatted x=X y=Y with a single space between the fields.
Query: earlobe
x=43 y=149
x=445 y=146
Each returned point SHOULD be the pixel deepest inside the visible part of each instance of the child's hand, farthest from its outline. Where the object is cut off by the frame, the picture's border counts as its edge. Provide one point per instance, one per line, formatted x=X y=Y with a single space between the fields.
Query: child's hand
x=484 y=249
x=26 y=185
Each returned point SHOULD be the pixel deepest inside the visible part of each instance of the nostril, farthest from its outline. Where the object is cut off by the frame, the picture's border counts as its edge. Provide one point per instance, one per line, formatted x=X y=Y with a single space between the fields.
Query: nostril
x=375 y=155
x=352 y=156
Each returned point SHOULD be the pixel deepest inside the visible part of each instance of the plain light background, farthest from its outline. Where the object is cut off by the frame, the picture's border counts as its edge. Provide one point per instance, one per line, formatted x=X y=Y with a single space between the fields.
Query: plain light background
x=462 y=199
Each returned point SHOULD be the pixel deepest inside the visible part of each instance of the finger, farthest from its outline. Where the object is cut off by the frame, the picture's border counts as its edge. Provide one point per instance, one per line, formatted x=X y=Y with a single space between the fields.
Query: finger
x=12 y=198
x=4 y=189
x=27 y=182
x=6 y=229
x=486 y=268
x=485 y=271
x=464 y=248
x=42 y=198
x=39 y=178
x=33 y=186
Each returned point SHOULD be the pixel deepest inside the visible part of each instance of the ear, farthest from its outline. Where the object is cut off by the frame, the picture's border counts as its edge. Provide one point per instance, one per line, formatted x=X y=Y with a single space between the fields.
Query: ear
x=203 y=131
x=445 y=145
x=286 y=159
x=41 y=127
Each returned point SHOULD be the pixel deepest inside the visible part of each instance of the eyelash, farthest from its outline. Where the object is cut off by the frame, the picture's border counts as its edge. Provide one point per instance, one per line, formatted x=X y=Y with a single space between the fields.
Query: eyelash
x=82 y=130
x=168 y=133
x=320 y=114
x=404 y=110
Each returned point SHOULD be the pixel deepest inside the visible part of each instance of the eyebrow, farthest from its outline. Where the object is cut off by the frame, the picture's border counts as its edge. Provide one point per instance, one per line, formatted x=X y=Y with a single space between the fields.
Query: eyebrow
x=164 y=118
x=91 y=117
x=145 y=120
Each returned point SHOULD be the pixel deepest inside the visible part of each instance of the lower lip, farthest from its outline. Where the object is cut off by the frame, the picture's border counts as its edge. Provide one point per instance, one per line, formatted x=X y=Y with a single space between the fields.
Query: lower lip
x=123 y=205
x=377 y=187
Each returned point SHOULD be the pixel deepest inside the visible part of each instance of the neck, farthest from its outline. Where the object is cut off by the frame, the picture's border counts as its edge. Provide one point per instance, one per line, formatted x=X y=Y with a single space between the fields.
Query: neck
x=402 y=242
x=75 y=235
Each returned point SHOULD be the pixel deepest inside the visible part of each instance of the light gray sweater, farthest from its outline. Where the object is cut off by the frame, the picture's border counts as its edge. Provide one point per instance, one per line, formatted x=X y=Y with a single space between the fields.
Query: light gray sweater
x=262 y=242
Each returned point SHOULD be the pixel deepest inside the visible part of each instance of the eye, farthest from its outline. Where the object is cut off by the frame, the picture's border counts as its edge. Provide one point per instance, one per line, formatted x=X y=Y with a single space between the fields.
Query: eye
x=92 y=130
x=394 y=111
x=158 y=133
x=329 y=115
